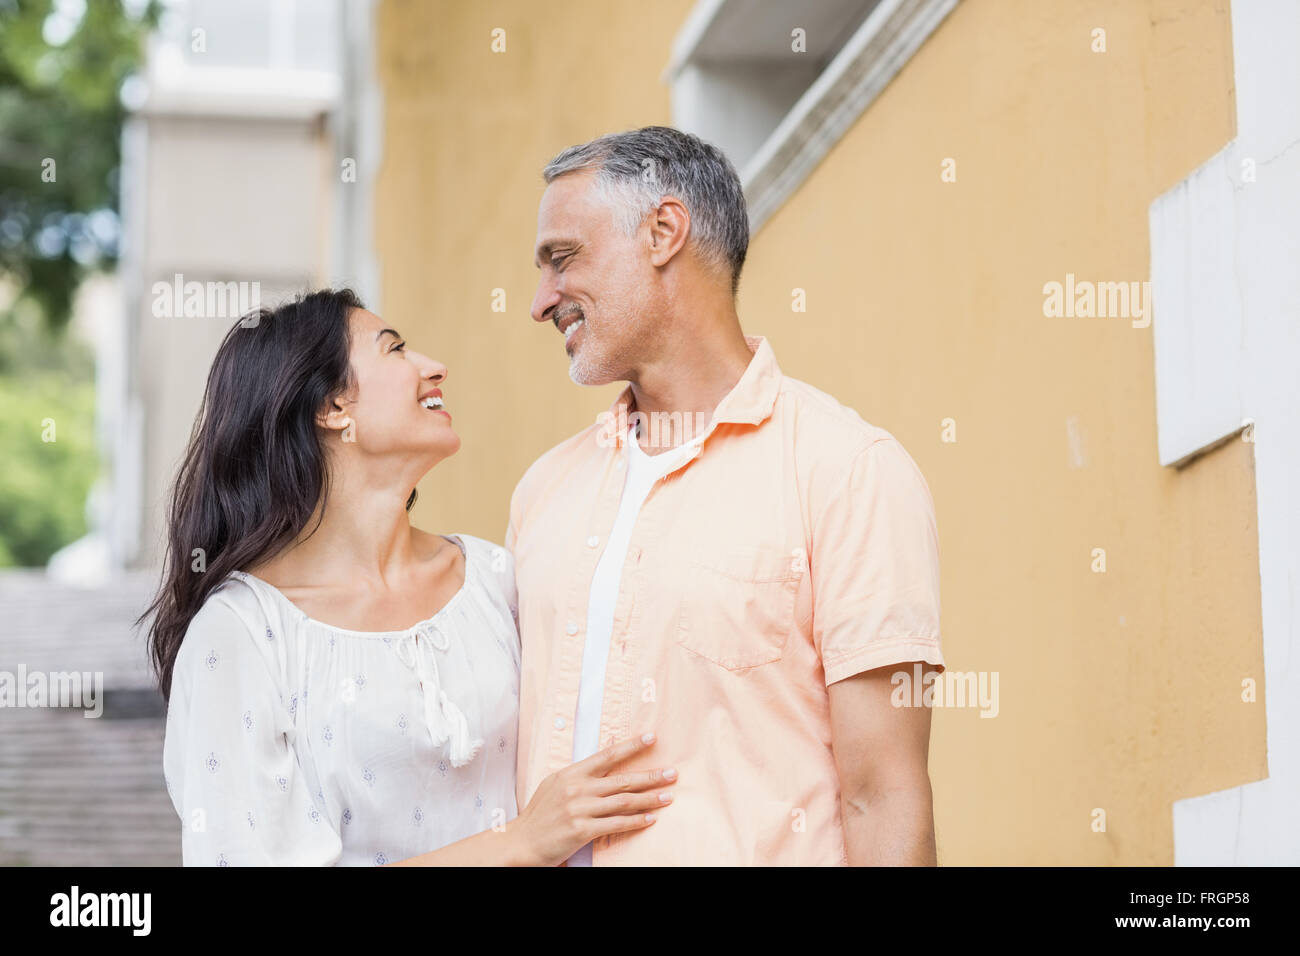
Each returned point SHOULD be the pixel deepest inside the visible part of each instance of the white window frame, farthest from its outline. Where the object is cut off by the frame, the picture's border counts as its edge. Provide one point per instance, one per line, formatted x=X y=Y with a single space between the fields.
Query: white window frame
x=857 y=74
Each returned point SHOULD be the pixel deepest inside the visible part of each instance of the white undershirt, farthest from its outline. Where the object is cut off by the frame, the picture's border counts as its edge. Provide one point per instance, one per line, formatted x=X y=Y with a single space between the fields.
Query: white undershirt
x=642 y=472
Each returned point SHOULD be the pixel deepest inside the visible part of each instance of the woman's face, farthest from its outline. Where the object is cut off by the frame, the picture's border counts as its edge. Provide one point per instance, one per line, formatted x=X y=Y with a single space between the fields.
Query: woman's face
x=389 y=404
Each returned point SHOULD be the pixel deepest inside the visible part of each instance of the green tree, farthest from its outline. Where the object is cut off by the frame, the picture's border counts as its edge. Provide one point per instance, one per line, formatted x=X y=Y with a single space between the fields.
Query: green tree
x=47 y=435
x=62 y=67
x=61 y=119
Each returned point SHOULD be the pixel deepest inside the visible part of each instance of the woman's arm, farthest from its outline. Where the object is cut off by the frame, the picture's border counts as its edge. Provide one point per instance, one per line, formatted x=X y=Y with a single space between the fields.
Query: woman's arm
x=570 y=809
x=233 y=776
x=489 y=848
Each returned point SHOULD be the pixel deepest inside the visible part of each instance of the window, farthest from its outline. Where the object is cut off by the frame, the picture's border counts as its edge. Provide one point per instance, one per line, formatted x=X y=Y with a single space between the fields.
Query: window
x=775 y=84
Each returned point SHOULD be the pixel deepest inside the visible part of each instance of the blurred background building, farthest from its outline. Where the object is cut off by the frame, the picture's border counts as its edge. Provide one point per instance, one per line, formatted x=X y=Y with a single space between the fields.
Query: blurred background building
x=1116 y=494
x=229 y=175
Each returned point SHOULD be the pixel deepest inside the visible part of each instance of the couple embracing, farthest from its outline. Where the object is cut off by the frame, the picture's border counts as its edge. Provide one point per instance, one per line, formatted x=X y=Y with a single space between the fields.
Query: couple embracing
x=680 y=654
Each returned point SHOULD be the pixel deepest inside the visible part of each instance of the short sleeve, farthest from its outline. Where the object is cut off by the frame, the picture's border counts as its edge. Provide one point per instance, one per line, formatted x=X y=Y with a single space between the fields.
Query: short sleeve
x=231 y=770
x=503 y=571
x=875 y=566
x=512 y=525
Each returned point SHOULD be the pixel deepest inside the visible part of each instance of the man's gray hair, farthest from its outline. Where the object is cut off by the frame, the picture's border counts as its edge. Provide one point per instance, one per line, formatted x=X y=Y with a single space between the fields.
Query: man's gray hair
x=637 y=168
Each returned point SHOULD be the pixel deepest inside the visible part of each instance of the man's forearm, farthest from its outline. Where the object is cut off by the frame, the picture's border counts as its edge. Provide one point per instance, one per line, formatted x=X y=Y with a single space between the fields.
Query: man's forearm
x=893 y=828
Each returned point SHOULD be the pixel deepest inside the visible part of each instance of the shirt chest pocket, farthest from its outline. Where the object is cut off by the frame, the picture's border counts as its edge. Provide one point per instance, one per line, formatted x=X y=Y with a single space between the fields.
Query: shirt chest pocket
x=737 y=608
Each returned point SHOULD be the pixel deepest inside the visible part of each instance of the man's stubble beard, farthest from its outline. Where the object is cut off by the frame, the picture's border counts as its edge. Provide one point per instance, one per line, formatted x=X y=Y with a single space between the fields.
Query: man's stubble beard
x=590 y=366
x=584 y=370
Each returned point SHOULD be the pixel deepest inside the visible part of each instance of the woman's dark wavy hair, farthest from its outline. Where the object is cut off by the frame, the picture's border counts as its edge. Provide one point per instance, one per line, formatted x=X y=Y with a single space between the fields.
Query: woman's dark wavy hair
x=255 y=468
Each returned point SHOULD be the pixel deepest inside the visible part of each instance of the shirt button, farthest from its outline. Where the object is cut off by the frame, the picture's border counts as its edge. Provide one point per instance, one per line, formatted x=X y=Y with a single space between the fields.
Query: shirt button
x=559 y=723
x=572 y=628
x=593 y=541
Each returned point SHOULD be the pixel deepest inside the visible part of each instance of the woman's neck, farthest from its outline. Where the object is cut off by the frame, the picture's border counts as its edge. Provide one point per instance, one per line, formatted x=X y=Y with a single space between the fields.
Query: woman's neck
x=363 y=533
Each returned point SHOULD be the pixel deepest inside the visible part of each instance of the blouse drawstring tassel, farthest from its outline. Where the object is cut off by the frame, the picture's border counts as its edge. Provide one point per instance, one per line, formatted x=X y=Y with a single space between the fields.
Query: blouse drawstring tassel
x=445 y=720
x=463 y=750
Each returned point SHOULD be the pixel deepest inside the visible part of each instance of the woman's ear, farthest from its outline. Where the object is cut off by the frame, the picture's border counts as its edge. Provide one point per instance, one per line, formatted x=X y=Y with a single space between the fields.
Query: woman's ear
x=335 y=416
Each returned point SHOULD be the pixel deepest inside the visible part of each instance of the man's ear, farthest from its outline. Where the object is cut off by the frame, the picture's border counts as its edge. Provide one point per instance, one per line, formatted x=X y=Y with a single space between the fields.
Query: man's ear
x=670 y=227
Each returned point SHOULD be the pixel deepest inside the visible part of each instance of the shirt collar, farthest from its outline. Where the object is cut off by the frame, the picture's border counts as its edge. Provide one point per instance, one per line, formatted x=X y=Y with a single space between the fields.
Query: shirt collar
x=750 y=401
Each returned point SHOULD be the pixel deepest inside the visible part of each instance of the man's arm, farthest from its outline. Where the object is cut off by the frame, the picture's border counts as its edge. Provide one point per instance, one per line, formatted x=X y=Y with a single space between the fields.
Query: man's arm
x=882 y=755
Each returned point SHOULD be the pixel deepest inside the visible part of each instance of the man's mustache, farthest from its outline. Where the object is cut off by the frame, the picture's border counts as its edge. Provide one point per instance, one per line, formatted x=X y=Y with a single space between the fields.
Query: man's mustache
x=564 y=312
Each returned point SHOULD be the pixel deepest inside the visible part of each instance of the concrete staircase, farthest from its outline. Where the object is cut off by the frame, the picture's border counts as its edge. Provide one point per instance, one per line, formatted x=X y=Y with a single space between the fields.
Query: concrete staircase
x=78 y=791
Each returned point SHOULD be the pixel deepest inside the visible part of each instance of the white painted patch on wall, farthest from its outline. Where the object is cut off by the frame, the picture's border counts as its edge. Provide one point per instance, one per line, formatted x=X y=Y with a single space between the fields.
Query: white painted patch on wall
x=1225 y=260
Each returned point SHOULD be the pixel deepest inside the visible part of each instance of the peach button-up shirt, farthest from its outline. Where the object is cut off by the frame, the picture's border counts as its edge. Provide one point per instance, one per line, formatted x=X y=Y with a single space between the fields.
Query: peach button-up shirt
x=793 y=548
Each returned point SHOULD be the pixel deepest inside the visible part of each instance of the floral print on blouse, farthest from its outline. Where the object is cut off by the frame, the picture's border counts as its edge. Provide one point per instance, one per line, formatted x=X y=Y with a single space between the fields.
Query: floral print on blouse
x=293 y=742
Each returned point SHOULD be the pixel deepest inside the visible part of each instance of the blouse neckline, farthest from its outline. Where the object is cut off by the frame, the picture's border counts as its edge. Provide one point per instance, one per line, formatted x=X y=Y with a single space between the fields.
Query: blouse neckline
x=388 y=635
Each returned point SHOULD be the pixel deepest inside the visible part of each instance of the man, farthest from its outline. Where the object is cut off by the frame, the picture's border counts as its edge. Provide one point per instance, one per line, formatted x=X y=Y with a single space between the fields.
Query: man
x=729 y=558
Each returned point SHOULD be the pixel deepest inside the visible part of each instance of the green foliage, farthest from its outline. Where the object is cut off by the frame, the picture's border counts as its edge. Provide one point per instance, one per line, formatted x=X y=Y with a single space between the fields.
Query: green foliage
x=59 y=101
x=43 y=484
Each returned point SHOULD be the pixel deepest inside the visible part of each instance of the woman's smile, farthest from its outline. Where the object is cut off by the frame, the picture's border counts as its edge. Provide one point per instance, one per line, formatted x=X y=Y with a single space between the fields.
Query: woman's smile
x=432 y=400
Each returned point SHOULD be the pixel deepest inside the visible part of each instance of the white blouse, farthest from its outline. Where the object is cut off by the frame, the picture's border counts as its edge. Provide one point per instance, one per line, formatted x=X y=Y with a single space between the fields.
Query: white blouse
x=294 y=742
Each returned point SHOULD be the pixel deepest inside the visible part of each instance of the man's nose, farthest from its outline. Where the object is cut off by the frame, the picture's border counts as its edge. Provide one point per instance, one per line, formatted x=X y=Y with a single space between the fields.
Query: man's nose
x=545 y=301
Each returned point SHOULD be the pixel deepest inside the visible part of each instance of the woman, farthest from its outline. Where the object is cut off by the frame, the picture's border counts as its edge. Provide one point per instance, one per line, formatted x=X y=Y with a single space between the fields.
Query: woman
x=343 y=687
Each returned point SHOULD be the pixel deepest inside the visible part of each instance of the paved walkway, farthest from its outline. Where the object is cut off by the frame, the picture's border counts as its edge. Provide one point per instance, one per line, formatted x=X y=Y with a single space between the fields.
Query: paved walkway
x=74 y=790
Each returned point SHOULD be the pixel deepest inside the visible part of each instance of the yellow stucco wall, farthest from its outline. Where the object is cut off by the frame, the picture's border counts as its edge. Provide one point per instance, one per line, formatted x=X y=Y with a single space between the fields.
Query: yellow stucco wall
x=466 y=134
x=1118 y=691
